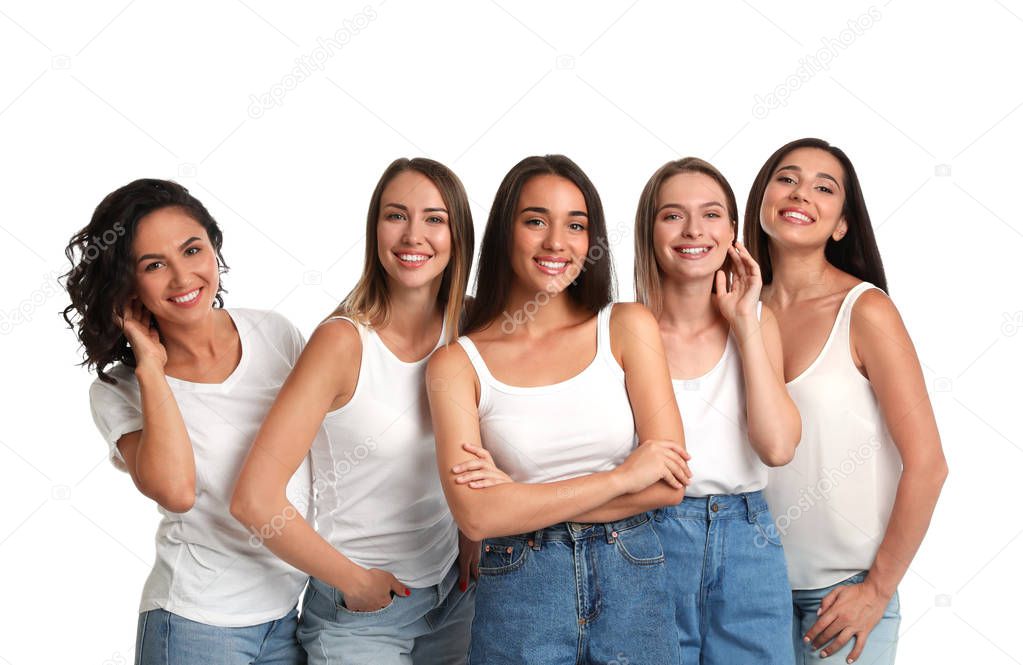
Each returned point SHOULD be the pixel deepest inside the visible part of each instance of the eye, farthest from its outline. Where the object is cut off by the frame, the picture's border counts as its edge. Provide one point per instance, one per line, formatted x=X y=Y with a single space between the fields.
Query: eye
x=825 y=189
x=192 y=251
x=577 y=226
x=535 y=221
x=672 y=217
x=788 y=180
x=395 y=217
x=435 y=220
x=713 y=215
x=150 y=267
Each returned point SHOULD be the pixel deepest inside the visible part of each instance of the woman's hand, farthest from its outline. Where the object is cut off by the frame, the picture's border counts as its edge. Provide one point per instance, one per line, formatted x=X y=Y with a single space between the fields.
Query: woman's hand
x=468 y=560
x=372 y=591
x=738 y=304
x=480 y=472
x=847 y=612
x=137 y=324
x=652 y=461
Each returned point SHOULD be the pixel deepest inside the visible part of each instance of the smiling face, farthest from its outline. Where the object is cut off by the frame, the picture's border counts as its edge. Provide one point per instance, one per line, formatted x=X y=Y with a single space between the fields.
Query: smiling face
x=176 y=272
x=691 y=231
x=550 y=236
x=413 y=236
x=804 y=198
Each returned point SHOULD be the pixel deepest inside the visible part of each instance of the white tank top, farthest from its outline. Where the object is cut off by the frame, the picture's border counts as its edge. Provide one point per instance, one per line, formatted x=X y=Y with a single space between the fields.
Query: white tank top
x=833 y=501
x=572 y=428
x=713 y=408
x=377 y=492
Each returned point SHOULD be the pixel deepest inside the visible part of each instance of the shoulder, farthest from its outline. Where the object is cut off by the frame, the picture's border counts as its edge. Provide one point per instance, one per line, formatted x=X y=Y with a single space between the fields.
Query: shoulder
x=336 y=339
x=269 y=322
x=873 y=306
x=634 y=318
x=126 y=385
x=447 y=361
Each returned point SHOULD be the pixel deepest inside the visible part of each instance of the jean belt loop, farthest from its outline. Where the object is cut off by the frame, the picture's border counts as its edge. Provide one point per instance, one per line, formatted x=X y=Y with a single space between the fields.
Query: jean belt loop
x=537 y=539
x=610 y=532
x=751 y=511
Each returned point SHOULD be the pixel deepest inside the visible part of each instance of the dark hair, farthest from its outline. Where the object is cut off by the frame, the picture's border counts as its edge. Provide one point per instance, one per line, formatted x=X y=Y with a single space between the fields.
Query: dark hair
x=856 y=253
x=368 y=301
x=102 y=274
x=646 y=271
x=593 y=288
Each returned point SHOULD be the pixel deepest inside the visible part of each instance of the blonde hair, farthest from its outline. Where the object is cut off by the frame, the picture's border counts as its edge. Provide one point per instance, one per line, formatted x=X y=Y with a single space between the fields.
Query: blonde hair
x=647 y=274
x=368 y=302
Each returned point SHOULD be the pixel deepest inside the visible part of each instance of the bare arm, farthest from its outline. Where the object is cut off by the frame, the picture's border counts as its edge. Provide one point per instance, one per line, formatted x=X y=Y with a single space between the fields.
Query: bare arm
x=771 y=415
x=510 y=508
x=636 y=340
x=325 y=376
x=880 y=340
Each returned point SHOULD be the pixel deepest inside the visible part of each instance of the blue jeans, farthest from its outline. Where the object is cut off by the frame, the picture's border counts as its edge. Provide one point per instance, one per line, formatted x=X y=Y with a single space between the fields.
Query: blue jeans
x=168 y=639
x=881 y=643
x=429 y=627
x=575 y=593
x=727 y=574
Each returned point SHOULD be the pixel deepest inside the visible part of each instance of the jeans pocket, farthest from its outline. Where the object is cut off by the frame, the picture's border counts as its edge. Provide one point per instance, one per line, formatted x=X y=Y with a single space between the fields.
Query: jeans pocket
x=767 y=530
x=360 y=613
x=502 y=555
x=640 y=545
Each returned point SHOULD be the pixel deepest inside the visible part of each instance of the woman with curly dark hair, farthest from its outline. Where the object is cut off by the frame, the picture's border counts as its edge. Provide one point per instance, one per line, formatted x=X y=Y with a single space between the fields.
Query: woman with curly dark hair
x=183 y=385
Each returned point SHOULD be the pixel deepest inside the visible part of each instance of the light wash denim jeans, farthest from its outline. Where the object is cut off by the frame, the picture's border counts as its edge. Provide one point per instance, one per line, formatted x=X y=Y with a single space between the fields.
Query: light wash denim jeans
x=168 y=639
x=881 y=643
x=575 y=593
x=727 y=575
x=429 y=627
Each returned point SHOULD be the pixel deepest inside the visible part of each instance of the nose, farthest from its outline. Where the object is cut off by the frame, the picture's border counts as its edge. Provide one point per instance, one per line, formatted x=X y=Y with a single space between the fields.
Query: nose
x=554 y=240
x=799 y=192
x=180 y=277
x=413 y=234
x=690 y=227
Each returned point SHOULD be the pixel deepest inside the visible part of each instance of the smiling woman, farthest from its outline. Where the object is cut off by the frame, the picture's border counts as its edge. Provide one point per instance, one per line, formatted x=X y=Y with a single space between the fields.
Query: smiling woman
x=182 y=388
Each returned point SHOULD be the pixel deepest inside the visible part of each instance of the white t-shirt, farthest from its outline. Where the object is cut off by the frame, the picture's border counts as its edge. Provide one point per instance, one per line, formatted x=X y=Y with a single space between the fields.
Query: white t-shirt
x=208 y=567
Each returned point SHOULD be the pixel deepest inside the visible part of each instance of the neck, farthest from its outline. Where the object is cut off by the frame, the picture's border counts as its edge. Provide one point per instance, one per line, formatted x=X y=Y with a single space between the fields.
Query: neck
x=688 y=304
x=194 y=341
x=799 y=274
x=412 y=312
x=536 y=313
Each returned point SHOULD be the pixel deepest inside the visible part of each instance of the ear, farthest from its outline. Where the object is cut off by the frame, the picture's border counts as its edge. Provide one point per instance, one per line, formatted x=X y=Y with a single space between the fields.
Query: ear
x=840 y=230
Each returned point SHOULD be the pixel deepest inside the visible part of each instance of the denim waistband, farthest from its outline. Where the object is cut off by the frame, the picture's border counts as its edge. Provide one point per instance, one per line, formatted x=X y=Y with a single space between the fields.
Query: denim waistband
x=578 y=531
x=716 y=507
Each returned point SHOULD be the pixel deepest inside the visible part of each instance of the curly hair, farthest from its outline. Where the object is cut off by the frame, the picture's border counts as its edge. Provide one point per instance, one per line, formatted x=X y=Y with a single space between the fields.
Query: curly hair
x=102 y=275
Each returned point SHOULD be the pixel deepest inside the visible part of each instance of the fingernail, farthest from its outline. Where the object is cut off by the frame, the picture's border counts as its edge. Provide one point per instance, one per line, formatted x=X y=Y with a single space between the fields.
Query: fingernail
x=824 y=654
x=849 y=660
x=806 y=639
x=464 y=586
x=408 y=592
x=819 y=610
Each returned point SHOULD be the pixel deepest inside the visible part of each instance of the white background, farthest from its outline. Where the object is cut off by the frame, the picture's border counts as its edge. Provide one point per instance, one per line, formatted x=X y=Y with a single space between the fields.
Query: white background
x=925 y=100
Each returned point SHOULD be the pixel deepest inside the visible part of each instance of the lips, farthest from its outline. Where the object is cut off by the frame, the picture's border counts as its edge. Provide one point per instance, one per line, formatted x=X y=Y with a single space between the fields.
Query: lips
x=186 y=299
x=796 y=216
x=692 y=252
x=552 y=265
x=412 y=259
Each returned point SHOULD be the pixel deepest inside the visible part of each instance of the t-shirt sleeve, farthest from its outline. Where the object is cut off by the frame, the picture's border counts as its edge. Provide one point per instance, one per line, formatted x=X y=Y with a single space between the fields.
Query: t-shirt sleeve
x=292 y=340
x=115 y=415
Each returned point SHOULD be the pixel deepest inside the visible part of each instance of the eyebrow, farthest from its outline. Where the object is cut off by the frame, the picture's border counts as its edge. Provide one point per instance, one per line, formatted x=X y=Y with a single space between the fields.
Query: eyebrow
x=399 y=206
x=708 y=204
x=793 y=167
x=146 y=257
x=546 y=211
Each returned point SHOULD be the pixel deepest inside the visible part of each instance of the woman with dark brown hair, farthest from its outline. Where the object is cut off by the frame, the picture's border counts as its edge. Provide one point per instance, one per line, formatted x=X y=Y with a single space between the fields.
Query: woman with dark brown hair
x=386 y=555
x=854 y=504
x=553 y=382
x=183 y=385
x=726 y=567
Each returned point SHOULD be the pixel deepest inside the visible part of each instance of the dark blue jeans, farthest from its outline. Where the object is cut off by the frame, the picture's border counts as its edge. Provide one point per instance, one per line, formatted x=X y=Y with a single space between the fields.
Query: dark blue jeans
x=575 y=593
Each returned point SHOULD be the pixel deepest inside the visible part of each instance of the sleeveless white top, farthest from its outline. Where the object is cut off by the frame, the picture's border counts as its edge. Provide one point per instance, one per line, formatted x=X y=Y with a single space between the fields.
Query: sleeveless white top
x=833 y=501
x=572 y=428
x=378 y=496
x=713 y=408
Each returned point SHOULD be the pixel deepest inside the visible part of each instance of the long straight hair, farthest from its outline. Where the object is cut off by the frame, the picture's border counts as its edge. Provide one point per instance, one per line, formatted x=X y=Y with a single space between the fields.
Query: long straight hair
x=646 y=271
x=368 y=302
x=593 y=288
x=856 y=253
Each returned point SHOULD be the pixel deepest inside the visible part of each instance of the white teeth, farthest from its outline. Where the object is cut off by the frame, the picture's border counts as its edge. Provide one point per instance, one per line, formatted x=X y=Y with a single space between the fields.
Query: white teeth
x=798 y=215
x=553 y=265
x=415 y=258
x=694 y=250
x=188 y=297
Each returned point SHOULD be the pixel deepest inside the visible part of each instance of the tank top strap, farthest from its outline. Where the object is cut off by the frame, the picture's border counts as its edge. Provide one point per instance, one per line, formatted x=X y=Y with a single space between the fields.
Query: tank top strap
x=482 y=371
x=837 y=348
x=604 y=337
x=847 y=307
